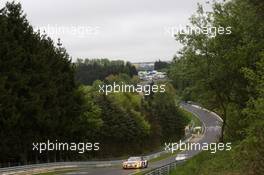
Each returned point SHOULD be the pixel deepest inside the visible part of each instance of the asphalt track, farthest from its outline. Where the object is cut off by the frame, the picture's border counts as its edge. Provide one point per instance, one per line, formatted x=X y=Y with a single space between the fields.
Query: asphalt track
x=212 y=126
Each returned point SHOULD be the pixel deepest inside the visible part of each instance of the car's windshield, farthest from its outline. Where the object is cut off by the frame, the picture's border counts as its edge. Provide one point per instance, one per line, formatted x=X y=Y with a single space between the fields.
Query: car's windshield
x=134 y=159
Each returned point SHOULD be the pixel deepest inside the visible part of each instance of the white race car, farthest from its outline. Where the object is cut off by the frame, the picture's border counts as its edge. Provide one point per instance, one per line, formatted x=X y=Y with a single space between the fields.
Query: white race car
x=135 y=162
x=181 y=157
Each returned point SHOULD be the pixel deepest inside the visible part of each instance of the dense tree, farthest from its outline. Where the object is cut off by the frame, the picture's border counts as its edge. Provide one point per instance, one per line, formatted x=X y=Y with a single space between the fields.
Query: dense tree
x=225 y=73
x=38 y=98
x=209 y=68
x=251 y=150
x=164 y=110
x=161 y=65
x=87 y=71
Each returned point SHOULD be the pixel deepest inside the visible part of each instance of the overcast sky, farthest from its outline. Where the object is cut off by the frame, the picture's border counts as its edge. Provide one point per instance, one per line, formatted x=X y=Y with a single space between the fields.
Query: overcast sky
x=133 y=30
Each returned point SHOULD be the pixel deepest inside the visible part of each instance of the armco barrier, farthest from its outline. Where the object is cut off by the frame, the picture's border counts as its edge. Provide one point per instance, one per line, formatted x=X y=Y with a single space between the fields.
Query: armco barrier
x=164 y=170
x=57 y=165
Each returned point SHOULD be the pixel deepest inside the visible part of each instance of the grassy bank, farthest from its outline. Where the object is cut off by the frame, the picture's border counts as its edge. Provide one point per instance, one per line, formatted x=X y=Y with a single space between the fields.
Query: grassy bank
x=206 y=163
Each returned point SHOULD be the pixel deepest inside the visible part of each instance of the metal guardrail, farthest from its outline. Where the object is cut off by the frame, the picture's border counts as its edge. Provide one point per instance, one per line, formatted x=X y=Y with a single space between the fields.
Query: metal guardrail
x=164 y=170
x=57 y=165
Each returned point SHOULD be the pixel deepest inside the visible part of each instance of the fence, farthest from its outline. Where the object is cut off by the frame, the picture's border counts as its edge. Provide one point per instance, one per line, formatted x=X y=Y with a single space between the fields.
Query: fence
x=164 y=170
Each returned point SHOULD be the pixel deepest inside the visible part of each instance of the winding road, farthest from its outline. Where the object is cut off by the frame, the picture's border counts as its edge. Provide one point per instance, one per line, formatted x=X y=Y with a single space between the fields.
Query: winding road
x=212 y=129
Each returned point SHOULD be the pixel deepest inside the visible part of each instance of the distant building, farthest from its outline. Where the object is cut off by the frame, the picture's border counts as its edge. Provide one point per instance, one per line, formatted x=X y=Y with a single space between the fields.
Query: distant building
x=144 y=66
x=151 y=75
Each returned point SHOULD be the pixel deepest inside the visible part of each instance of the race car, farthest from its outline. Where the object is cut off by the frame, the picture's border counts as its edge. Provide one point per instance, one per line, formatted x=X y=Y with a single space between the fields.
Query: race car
x=135 y=162
x=181 y=157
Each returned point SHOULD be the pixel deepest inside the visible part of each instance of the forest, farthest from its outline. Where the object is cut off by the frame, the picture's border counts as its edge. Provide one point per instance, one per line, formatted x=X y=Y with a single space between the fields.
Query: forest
x=89 y=70
x=45 y=96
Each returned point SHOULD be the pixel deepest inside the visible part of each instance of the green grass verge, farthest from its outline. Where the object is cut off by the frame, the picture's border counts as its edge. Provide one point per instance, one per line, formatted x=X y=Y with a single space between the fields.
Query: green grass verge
x=220 y=163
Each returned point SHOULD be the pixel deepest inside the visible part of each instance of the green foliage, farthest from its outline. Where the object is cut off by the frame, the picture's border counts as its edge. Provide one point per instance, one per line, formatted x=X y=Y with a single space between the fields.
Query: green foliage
x=87 y=71
x=120 y=78
x=251 y=149
x=90 y=120
x=39 y=99
x=210 y=69
x=220 y=163
x=136 y=123
x=189 y=117
x=123 y=123
x=225 y=73
x=160 y=65
x=164 y=111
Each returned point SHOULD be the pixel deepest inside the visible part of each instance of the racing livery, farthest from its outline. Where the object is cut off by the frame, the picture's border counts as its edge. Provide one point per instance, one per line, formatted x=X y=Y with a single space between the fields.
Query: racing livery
x=135 y=162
